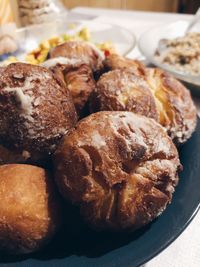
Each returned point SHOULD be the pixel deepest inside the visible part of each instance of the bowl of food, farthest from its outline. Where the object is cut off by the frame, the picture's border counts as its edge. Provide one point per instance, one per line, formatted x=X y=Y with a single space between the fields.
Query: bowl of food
x=174 y=50
x=34 y=42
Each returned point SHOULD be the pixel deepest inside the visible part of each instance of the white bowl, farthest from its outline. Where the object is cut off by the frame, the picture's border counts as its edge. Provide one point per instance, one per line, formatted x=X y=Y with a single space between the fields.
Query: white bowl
x=148 y=44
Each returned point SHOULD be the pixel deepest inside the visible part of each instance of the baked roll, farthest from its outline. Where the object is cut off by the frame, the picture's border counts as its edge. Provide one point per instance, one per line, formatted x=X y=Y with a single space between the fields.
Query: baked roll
x=36 y=110
x=156 y=94
x=120 y=168
x=82 y=51
x=177 y=112
x=30 y=210
x=121 y=90
x=78 y=78
x=115 y=61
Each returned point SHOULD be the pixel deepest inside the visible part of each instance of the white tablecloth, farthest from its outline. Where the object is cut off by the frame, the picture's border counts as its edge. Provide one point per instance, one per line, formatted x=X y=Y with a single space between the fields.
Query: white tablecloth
x=185 y=251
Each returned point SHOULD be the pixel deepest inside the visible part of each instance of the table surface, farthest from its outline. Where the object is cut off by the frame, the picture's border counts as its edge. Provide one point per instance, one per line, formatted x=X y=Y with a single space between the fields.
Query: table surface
x=185 y=251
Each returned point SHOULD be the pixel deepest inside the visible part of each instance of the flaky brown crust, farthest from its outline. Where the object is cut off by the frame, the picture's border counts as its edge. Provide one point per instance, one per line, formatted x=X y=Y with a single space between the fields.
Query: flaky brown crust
x=79 y=81
x=115 y=61
x=83 y=51
x=30 y=210
x=177 y=112
x=119 y=167
x=35 y=110
x=121 y=90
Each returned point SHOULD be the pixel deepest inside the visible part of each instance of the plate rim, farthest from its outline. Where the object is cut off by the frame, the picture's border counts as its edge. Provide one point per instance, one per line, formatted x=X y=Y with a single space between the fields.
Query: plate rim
x=171 y=240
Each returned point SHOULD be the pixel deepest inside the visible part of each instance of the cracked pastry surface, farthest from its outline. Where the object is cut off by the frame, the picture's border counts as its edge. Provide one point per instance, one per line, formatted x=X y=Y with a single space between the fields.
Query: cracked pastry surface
x=177 y=112
x=119 y=168
x=121 y=90
x=156 y=94
x=78 y=79
x=36 y=110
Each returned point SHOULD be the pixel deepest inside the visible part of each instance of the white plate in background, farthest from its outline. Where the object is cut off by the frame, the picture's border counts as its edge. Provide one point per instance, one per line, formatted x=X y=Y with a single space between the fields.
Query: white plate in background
x=148 y=44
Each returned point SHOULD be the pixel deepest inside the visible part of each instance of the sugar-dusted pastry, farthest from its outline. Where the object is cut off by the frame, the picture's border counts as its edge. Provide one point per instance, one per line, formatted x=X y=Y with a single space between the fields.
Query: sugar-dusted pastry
x=154 y=94
x=36 y=110
x=122 y=90
x=120 y=168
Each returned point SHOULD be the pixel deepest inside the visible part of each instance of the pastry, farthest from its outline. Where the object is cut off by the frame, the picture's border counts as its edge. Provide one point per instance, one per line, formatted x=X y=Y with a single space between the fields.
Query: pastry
x=177 y=112
x=31 y=212
x=78 y=78
x=79 y=50
x=36 y=110
x=154 y=94
x=120 y=168
x=121 y=90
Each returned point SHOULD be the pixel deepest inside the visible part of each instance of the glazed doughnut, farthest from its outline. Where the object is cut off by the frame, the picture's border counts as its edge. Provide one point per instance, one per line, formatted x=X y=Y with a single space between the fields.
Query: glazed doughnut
x=120 y=168
x=121 y=90
x=115 y=61
x=82 y=51
x=31 y=212
x=36 y=110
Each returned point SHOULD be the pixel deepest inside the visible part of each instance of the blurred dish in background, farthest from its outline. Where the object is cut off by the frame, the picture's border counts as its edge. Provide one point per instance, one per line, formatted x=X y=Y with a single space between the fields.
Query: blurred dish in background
x=182 y=53
x=7 y=29
x=36 y=41
x=174 y=33
x=39 y=11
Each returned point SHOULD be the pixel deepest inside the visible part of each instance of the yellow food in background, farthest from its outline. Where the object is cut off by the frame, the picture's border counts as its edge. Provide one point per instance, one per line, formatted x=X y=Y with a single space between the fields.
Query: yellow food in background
x=40 y=54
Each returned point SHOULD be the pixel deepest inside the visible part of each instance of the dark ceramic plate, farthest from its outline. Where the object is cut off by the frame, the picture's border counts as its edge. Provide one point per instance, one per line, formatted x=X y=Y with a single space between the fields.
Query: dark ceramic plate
x=80 y=246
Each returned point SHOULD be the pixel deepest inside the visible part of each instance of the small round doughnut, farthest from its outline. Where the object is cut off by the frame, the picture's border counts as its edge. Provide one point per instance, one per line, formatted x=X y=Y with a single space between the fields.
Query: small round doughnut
x=120 y=168
x=36 y=110
x=30 y=211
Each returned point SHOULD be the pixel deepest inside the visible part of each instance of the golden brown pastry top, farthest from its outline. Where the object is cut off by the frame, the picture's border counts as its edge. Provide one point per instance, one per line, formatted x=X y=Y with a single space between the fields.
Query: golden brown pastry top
x=79 y=80
x=81 y=51
x=121 y=90
x=177 y=112
x=35 y=109
x=119 y=167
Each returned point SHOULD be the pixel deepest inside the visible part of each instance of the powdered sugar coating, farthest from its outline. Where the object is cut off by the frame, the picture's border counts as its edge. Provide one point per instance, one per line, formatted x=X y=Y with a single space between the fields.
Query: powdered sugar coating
x=35 y=108
x=122 y=90
x=119 y=167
